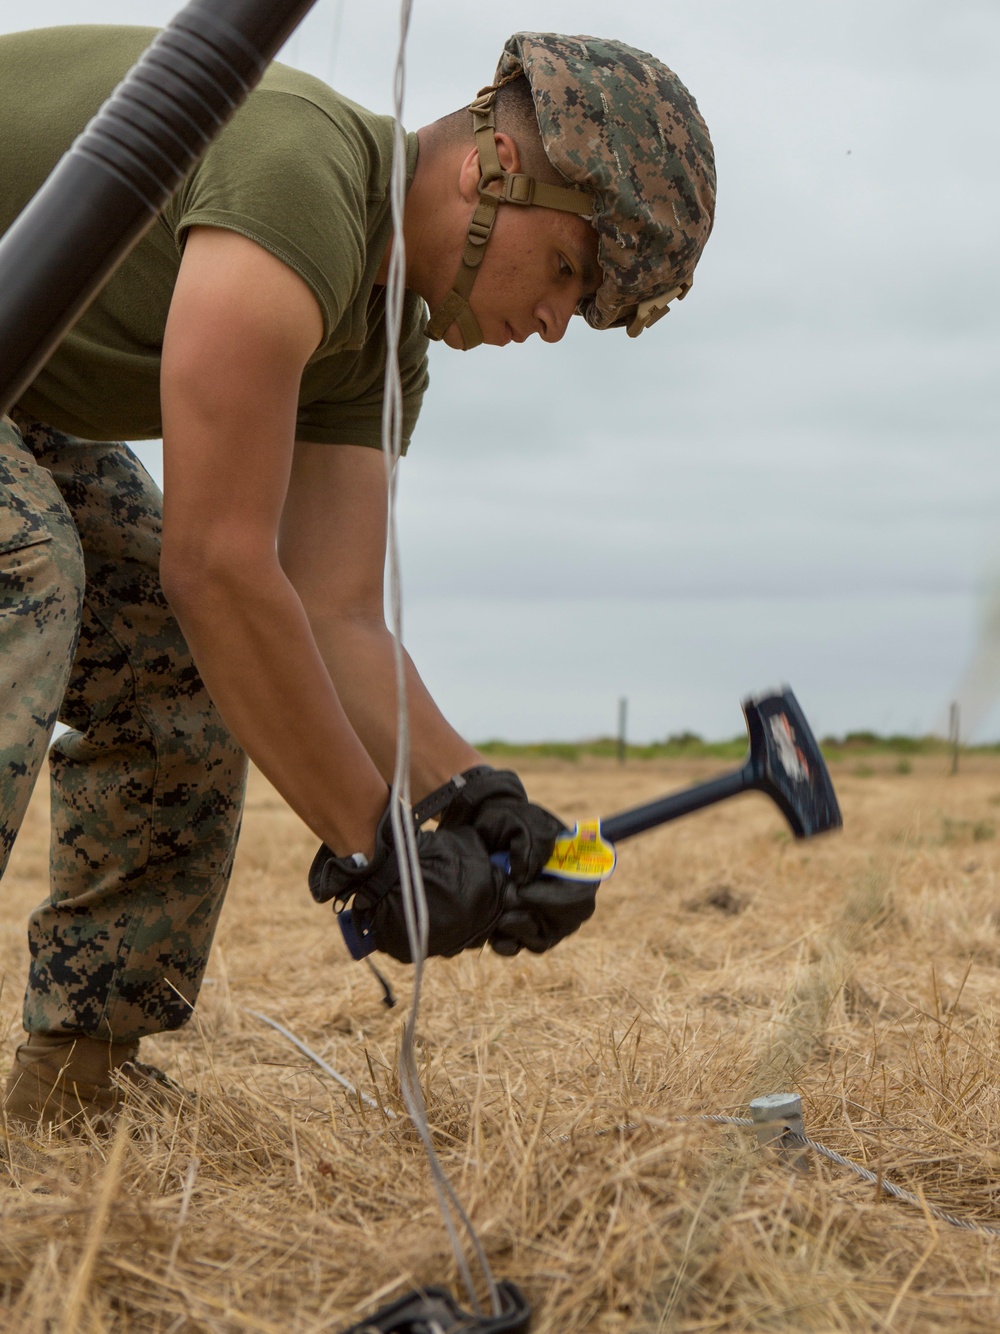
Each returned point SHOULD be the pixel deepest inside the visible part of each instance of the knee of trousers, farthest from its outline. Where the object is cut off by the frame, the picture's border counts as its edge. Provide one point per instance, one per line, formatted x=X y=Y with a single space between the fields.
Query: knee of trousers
x=41 y=591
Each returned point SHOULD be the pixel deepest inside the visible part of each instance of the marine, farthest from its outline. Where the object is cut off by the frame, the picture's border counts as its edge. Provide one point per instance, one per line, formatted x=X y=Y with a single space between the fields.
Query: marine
x=242 y=617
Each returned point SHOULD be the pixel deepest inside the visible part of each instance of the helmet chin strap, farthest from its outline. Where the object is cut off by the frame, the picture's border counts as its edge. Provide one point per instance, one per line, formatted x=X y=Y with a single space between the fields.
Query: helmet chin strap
x=515 y=188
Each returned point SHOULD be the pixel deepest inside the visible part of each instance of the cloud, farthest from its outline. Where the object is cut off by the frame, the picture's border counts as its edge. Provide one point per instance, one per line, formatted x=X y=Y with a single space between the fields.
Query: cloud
x=798 y=465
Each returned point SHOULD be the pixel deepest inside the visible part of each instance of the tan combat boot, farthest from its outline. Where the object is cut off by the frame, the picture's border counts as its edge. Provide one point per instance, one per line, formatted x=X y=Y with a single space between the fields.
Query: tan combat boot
x=65 y=1078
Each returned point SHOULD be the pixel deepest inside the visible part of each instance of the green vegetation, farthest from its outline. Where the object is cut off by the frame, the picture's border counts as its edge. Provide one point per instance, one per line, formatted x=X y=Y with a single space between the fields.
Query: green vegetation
x=961 y=831
x=853 y=744
x=855 y=747
x=684 y=745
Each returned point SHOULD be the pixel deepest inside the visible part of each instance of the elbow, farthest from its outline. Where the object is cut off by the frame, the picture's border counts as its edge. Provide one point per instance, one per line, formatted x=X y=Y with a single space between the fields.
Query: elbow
x=337 y=616
x=340 y=603
x=184 y=583
x=201 y=580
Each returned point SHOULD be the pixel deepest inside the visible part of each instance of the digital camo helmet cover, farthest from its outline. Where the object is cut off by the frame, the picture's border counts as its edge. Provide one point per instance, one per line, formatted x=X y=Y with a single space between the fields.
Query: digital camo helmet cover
x=618 y=122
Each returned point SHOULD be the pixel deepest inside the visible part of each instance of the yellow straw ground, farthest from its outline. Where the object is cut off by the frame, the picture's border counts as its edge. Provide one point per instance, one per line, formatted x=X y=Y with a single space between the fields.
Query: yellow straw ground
x=725 y=961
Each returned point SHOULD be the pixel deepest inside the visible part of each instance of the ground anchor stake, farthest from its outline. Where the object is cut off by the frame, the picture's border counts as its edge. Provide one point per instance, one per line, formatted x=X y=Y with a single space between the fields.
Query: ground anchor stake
x=774 y=1115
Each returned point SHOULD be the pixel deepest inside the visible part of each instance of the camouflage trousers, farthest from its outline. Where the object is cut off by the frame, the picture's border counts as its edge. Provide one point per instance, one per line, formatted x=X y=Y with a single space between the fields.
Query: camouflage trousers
x=147 y=787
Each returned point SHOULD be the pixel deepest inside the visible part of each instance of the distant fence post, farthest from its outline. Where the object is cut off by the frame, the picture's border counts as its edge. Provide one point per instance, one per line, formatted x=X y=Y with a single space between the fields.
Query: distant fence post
x=953 y=735
x=622 y=722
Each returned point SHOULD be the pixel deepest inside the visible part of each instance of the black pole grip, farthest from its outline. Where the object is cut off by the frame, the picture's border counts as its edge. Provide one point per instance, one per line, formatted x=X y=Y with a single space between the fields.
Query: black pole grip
x=108 y=188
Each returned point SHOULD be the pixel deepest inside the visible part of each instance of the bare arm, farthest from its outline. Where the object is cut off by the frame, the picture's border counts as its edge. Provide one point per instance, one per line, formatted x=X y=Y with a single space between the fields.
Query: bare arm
x=332 y=547
x=240 y=329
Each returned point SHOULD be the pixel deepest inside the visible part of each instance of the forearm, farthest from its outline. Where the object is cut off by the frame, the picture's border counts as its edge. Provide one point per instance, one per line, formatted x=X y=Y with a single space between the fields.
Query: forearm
x=256 y=652
x=359 y=654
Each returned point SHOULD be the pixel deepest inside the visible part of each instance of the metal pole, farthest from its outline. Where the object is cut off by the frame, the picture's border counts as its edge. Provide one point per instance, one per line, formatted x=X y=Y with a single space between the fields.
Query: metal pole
x=622 y=720
x=107 y=189
x=954 y=735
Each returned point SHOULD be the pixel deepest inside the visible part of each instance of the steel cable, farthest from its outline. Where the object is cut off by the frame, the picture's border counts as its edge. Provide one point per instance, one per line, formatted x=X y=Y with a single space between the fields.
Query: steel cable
x=865 y=1173
x=789 y=1137
x=403 y=828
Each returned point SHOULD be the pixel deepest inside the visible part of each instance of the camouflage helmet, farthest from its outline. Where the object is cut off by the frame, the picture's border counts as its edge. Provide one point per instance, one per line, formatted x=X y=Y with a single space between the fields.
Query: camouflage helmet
x=619 y=123
x=626 y=135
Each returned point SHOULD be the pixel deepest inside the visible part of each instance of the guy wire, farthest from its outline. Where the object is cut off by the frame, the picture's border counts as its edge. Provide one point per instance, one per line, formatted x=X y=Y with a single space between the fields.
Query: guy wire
x=403 y=829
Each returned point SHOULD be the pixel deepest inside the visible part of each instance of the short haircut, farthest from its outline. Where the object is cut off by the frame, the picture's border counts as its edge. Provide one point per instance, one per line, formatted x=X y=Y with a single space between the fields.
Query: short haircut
x=515 y=115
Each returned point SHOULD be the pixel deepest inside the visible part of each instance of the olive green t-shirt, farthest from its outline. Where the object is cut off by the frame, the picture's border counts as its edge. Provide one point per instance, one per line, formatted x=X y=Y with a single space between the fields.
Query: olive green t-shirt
x=300 y=170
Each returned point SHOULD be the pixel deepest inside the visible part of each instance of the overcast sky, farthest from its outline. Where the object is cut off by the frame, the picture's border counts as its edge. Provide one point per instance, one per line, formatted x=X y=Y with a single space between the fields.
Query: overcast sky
x=792 y=477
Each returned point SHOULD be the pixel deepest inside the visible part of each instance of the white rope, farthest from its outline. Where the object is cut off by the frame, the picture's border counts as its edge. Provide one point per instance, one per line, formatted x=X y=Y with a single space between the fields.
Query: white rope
x=334 y=50
x=403 y=829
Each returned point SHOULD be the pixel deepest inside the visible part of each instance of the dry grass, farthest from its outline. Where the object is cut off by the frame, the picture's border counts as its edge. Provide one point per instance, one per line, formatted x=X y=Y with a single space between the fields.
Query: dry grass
x=725 y=961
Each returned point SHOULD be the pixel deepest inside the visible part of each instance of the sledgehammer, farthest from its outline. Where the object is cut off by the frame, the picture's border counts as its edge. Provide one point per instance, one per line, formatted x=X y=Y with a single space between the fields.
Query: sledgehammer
x=784 y=763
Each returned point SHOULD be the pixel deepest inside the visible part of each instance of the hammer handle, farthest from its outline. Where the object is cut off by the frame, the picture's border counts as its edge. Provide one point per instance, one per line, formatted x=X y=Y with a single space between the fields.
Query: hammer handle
x=640 y=818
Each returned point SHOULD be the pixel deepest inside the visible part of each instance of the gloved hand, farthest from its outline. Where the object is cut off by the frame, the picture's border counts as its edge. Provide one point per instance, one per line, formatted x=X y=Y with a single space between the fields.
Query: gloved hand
x=494 y=803
x=537 y=916
x=465 y=891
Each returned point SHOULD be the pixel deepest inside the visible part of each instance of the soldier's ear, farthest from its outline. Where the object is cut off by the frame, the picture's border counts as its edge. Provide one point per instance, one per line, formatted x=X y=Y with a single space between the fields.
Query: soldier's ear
x=510 y=158
x=471 y=172
x=469 y=176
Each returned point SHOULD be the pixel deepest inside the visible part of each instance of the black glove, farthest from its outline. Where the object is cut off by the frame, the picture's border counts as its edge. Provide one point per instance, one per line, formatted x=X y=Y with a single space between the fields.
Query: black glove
x=465 y=891
x=539 y=915
x=494 y=803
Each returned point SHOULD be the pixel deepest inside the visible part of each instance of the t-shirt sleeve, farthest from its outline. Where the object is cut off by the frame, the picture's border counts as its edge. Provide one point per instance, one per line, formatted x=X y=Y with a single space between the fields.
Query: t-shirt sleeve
x=270 y=179
x=346 y=408
x=286 y=175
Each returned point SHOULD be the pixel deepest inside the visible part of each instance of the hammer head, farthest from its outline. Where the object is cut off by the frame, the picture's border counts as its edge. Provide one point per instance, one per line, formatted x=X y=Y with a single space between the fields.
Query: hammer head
x=785 y=762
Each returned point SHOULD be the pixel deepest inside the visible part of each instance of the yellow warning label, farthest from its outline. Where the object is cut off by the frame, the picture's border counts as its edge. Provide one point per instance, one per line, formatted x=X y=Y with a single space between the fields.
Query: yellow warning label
x=582 y=855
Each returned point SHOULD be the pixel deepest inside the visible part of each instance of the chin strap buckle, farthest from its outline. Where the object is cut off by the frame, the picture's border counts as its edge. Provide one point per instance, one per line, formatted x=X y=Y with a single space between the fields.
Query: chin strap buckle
x=649 y=311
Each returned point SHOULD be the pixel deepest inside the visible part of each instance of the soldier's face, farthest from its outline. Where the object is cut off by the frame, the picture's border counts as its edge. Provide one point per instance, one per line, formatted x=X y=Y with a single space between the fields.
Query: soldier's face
x=537 y=266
